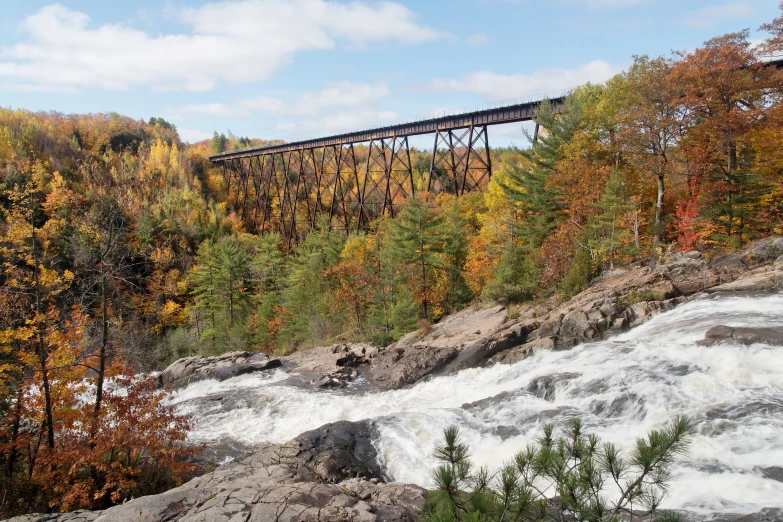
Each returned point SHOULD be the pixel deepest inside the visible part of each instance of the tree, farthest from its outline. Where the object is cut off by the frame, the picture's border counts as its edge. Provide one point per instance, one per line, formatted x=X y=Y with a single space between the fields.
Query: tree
x=726 y=93
x=650 y=121
x=220 y=281
x=416 y=240
x=455 y=256
x=219 y=143
x=577 y=468
x=606 y=234
x=531 y=187
x=516 y=276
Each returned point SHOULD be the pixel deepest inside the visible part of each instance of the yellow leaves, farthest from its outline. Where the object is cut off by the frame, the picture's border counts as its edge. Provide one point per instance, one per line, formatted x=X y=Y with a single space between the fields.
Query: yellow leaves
x=355 y=249
x=61 y=200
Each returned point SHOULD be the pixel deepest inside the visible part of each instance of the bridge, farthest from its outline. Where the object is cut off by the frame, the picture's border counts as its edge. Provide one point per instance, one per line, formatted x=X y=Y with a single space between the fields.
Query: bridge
x=351 y=179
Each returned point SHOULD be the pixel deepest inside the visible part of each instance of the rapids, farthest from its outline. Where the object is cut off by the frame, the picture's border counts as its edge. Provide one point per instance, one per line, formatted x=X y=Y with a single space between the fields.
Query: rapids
x=621 y=388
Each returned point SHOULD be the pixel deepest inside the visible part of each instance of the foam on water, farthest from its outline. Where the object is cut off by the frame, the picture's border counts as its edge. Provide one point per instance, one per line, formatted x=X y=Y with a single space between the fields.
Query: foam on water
x=620 y=388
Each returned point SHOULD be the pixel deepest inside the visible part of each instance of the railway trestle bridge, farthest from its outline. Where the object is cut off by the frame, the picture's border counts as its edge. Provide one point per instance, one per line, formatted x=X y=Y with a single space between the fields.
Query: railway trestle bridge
x=351 y=179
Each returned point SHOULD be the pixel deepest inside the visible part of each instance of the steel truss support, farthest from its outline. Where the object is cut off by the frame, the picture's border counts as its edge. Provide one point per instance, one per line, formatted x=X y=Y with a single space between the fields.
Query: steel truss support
x=460 y=161
x=388 y=179
x=297 y=190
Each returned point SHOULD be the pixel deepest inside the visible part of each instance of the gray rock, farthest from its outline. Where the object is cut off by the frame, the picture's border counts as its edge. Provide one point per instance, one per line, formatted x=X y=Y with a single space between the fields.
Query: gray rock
x=327 y=474
x=746 y=336
x=221 y=367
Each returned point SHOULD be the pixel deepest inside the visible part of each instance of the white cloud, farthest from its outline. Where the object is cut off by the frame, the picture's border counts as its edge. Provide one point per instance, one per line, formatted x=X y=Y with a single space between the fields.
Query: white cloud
x=500 y=86
x=343 y=94
x=234 y=41
x=708 y=16
x=193 y=136
x=338 y=122
x=237 y=109
x=477 y=39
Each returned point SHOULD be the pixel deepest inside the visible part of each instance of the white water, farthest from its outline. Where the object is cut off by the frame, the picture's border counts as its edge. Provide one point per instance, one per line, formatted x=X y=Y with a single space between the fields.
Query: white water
x=651 y=373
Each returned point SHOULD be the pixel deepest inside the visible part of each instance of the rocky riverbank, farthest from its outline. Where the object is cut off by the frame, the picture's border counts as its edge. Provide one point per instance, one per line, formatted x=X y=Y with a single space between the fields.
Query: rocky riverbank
x=326 y=474
x=482 y=335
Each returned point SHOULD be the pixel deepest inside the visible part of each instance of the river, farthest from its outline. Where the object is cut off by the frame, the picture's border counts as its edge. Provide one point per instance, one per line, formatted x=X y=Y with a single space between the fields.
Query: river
x=620 y=388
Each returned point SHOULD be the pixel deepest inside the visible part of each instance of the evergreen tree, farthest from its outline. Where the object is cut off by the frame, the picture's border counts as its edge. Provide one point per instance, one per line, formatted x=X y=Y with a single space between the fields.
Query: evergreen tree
x=220 y=280
x=307 y=300
x=219 y=143
x=531 y=187
x=606 y=234
x=455 y=255
x=416 y=240
x=516 y=276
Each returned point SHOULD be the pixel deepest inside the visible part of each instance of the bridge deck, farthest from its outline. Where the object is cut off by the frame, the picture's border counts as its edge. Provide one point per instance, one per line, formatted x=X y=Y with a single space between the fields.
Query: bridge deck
x=494 y=116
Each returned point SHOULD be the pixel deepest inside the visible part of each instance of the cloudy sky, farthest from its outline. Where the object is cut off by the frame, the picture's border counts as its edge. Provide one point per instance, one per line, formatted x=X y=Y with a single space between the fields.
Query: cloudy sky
x=294 y=69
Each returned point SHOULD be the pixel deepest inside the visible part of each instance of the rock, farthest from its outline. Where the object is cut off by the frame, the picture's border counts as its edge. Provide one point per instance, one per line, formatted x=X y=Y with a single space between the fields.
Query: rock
x=544 y=387
x=746 y=336
x=463 y=340
x=765 y=515
x=330 y=366
x=761 y=279
x=191 y=369
x=327 y=474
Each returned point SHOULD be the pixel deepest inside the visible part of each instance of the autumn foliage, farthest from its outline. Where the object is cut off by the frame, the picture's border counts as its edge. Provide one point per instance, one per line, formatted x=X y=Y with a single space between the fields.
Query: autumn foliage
x=123 y=249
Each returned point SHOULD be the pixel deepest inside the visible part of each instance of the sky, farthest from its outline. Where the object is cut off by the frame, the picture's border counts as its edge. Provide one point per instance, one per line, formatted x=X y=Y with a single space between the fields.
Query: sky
x=298 y=69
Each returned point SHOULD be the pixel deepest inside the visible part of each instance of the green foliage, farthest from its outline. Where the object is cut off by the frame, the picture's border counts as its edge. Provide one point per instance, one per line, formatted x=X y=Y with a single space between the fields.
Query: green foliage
x=578 y=470
x=606 y=234
x=516 y=276
x=220 y=281
x=306 y=295
x=416 y=238
x=403 y=317
x=531 y=188
x=581 y=271
x=218 y=143
x=455 y=255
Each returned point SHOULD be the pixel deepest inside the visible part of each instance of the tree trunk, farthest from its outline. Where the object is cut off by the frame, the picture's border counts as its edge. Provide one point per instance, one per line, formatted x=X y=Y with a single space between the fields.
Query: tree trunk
x=42 y=354
x=101 y=354
x=659 y=209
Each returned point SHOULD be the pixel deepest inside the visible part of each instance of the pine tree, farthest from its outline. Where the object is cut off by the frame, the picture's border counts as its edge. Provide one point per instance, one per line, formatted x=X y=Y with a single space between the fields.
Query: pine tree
x=516 y=276
x=530 y=187
x=455 y=255
x=606 y=235
x=577 y=466
x=416 y=240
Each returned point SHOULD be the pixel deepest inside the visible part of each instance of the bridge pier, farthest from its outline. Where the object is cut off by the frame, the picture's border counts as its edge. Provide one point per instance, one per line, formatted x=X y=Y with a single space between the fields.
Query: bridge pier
x=460 y=160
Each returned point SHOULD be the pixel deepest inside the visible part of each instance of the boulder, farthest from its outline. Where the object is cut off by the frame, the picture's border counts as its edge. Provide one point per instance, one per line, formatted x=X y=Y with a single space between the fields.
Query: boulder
x=221 y=367
x=332 y=366
x=327 y=474
x=463 y=340
x=747 y=336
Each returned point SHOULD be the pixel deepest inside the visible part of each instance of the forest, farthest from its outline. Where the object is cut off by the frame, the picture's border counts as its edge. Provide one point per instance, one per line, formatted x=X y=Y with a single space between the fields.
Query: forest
x=122 y=250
